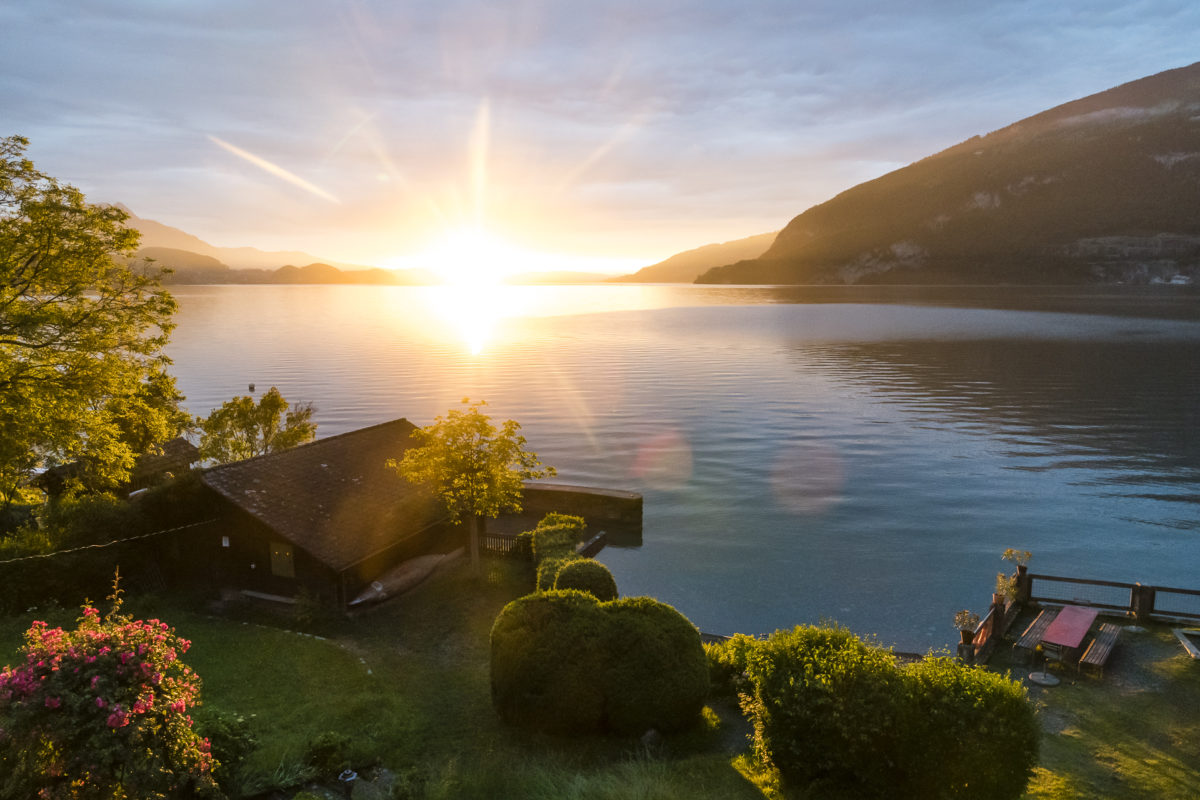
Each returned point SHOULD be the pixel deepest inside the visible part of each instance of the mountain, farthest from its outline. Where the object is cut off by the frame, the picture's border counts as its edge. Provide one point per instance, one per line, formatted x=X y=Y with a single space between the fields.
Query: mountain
x=193 y=260
x=685 y=267
x=1105 y=189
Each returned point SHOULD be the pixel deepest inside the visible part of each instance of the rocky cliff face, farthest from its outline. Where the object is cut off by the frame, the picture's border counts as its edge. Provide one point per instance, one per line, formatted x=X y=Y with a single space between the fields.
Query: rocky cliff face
x=1103 y=189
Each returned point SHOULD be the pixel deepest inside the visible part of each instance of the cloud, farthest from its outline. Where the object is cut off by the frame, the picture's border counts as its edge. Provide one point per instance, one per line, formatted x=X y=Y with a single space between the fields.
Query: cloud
x=658 y=117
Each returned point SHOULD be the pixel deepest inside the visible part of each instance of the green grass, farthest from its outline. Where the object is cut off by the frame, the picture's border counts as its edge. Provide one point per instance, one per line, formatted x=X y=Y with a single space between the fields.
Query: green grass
x=408 y=683
x=1133 y=733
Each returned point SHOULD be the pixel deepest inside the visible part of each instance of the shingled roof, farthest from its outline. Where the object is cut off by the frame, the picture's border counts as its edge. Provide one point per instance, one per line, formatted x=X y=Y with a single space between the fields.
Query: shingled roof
x=334 y=497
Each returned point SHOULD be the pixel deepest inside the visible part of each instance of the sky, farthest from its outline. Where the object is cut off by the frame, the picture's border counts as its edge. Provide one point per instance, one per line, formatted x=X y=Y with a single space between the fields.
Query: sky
x=565 y=135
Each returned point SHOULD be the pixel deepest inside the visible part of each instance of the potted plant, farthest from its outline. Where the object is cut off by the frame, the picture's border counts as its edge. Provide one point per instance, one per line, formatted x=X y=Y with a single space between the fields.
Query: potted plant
x=1017 y=586
x=1019 y=557
x=966 y=621
x=1006 y=589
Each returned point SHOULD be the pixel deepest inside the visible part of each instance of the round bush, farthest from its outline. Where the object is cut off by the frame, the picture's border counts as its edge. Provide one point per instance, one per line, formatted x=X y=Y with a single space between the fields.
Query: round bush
x=544 y=651
x=656 y=675
x=547 y=570
x=838 y=717
x=587 y=575
x=566 y=663
x=977 y=733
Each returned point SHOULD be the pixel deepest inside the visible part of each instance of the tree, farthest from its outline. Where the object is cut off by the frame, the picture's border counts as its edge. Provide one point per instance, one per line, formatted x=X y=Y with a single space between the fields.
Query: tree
x=101 y=711
x=475 y=469
x=82 y=373
x=242 y=429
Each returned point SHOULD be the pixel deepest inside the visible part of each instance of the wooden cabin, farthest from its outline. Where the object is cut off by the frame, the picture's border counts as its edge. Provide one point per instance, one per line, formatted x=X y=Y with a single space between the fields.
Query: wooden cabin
x=324 y=519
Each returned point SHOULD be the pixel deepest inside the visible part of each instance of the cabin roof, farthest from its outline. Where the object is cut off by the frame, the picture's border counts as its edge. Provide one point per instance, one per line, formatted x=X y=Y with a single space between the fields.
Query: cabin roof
x=334 y=497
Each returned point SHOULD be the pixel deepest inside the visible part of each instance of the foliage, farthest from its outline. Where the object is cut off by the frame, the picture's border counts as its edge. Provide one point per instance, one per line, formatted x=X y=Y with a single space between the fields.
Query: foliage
x=587 y=575
x=727 y=662
x=90 y=519
x=1019 y=557
x=552 y=543
x=564 y=662
x=233 y=741
x=1006 y=585
x=474 y=468
x=101 y=711
x=976 y=734
x=82 y=374
x=242 y=429
x=836 y=716
x=966 y=620
x=556 y=535
x=656 y=675
x=547 y=570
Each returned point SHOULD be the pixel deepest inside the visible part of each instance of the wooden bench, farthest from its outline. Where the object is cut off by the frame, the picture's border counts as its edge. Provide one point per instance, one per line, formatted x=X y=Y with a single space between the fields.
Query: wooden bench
x=1101 y=647
x=1032 y=636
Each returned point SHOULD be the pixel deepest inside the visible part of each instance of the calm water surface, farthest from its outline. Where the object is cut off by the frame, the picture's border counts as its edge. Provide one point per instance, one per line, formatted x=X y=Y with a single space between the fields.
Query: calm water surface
x=853 y=454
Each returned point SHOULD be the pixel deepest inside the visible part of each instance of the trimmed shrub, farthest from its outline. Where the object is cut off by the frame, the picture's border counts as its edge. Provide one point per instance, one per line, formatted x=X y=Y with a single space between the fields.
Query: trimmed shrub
x=563 y=662
x=587 y=575
x=547 y=569
x=977 y=733
x=838 y=717
x=656 y=675
x=545 y=651
x=823 y=709
x=556 y=535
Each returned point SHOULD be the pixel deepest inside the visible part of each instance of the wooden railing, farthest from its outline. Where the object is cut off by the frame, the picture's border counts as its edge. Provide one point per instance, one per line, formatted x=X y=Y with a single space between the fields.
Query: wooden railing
x=1138 y=600
x=498 y=543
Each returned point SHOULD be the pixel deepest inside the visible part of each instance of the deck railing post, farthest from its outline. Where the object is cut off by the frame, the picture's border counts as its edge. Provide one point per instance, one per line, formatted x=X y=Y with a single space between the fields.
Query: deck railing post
x=1141 y=602
x=1024 y=584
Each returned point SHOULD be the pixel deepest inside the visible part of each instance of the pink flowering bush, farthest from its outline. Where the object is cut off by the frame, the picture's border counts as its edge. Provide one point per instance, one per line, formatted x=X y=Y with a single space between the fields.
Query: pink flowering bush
x=102 y=712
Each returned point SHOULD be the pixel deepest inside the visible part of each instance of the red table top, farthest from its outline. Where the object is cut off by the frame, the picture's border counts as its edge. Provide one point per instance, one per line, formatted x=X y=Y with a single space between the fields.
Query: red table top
x=1070 y=626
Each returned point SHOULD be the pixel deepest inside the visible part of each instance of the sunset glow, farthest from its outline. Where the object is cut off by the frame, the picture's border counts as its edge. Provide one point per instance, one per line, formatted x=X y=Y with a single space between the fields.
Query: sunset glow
x=472 y=257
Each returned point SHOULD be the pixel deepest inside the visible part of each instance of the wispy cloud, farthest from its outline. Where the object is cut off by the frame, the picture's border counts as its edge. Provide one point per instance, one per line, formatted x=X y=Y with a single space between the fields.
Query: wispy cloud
x=274 y=169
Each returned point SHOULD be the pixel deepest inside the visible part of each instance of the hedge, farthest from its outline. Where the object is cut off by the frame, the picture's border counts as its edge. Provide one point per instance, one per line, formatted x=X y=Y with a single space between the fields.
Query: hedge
x=838 y=717
x=587 y=575
x=564 y=662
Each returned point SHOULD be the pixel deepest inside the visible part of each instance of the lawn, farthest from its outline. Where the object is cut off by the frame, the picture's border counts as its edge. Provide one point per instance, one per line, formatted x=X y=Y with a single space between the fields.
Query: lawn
x=407 y=684
x=1133 y=733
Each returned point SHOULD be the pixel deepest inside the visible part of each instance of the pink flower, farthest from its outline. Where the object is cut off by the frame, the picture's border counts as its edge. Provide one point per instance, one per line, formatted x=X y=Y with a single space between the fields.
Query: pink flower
x=53 y=702
x=100 y=702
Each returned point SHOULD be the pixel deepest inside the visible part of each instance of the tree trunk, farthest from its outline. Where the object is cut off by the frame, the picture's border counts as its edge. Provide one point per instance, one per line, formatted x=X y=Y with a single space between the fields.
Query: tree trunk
x=476 y=528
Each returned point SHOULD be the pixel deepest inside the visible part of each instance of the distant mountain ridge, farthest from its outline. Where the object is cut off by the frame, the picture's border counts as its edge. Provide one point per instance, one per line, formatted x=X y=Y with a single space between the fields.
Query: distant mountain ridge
x=194 y=261
x=1104 y=189
x=689 y=265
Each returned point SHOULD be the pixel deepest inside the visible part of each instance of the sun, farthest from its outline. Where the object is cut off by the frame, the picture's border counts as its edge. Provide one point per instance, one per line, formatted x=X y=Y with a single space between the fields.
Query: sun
x=473 y=257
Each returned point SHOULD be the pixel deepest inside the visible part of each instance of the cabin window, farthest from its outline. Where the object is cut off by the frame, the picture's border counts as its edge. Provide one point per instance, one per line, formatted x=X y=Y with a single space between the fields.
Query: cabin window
x=224 y=541
x=282 y=563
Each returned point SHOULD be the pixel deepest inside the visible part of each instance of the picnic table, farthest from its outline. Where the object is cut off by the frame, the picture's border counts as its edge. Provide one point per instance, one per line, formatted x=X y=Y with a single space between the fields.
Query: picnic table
x=1068 y=629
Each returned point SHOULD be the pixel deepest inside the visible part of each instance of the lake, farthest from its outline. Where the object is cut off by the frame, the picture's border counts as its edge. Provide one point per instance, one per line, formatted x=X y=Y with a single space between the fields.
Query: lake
x=857 y=454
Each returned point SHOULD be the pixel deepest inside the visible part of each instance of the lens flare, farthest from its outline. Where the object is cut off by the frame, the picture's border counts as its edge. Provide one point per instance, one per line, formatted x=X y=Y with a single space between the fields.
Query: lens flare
x=807 y=478
x=664 y=461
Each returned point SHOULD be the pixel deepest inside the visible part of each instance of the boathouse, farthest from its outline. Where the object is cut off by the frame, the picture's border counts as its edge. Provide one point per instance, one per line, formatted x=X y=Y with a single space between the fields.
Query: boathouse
x=324 y=519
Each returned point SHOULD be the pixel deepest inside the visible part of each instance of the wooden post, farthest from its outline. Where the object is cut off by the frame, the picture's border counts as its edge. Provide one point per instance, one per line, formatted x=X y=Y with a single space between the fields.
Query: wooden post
x=1142 y=602
x=1024 y=584
x=999 y=609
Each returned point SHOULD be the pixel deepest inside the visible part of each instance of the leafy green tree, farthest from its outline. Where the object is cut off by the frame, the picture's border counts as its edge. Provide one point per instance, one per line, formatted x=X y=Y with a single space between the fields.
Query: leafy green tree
x=474 y=468
x=82 y=373
x=102 y=711
x=242 y=429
